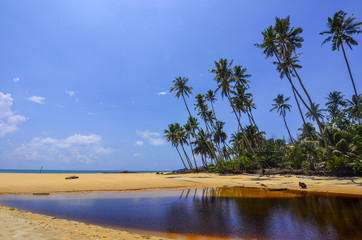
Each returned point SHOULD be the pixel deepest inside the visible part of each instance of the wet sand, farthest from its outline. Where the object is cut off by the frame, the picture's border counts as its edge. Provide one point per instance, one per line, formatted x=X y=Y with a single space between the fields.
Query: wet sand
x=16 y=224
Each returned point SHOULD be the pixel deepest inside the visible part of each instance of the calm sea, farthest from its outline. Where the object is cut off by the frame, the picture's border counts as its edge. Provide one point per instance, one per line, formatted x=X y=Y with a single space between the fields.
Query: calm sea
x=68 y=171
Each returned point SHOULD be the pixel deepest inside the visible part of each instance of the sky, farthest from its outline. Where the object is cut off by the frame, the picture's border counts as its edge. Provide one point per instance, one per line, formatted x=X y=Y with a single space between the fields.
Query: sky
x=85 y=84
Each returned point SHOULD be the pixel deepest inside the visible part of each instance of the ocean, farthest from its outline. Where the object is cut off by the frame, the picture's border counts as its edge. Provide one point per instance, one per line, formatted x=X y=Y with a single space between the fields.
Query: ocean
x=46 y=171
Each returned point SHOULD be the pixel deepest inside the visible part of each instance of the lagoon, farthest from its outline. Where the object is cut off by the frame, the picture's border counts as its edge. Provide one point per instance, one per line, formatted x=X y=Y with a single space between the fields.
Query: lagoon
x=229 y=213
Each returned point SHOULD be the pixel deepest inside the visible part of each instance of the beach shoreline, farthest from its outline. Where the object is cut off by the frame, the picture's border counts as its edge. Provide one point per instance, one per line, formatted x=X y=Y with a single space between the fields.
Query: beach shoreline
x=18 y=224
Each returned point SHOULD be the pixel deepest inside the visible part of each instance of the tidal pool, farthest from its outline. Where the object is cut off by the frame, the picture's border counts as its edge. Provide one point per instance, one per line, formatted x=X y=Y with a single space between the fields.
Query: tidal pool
x=228 y=213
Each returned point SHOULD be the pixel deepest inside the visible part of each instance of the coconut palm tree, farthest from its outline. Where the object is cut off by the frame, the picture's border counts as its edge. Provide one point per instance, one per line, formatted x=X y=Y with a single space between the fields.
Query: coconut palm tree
x=240 y=76
x=340 y=30
x=202 y=109
x=308 y=132
x=334 y=104
x=281 y=105
x=288 y=40
x=181 y=89
x=315 y=111
x=352 y=109
x=172 y=136
x=284 y=68
x=211 y=97
x=223 y=76
x=219 y=135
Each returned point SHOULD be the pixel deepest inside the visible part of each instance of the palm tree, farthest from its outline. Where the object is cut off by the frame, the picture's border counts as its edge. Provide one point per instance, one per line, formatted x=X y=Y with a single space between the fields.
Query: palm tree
x=182 y=89
x=240 y=76
x=315 y=112
x=340 y=30
x=308 y=132
x=219 y=135
x=352 y=109
x=202 y=109
x=171 y=136
x=281 y=105
x=286 y=41
x=284 y=68
x=270 y=49
x=223 y=77
x=335 y=101
x=211 y=97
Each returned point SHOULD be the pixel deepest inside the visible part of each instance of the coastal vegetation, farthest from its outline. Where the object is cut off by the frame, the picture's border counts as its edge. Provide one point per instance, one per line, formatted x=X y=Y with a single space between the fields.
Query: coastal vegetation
x=329 y=141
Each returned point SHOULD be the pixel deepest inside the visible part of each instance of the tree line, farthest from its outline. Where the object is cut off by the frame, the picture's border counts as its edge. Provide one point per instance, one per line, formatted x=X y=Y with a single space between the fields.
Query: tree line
x=335 y=148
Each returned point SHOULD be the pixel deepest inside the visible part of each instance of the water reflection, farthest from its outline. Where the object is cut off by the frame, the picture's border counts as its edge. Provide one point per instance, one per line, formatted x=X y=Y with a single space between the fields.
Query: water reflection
x=220 y=212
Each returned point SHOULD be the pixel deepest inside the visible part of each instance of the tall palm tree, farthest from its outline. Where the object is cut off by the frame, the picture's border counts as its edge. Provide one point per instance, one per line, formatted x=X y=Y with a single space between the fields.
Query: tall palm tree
x=340 y=30
x=334 y=104
x=223 y=76
x=171 y=136
x=270 y=49
x=281 y=105
x=287 y=40
x=181 y=89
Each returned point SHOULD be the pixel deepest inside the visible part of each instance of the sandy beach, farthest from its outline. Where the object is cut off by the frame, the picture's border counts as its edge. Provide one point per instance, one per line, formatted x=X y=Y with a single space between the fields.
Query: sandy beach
x=16 y=224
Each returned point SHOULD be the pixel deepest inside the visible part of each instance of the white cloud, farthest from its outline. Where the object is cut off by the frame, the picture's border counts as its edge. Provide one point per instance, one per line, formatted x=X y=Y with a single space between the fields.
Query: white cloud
x=161 y=93
x=79 y=148
x=139 y=143
x=16 y=79
x=70 y=93
x=138 y=155
x=8 y=119
x=153 y=138
x=36 y=99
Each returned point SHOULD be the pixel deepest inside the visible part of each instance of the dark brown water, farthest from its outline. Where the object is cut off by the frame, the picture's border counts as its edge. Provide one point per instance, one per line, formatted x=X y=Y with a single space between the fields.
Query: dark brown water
x=230 y=213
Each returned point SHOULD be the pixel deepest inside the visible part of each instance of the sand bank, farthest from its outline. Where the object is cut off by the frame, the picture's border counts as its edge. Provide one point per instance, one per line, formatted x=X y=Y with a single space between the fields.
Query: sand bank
x=15 y=224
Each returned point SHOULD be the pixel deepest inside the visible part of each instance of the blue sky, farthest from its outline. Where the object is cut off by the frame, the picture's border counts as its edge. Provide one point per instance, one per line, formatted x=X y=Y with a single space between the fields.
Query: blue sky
x=84 y=84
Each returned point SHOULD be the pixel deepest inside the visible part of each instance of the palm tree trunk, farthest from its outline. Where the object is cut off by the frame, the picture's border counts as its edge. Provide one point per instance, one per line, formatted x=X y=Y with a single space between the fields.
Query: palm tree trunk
x=310 y=101
x=187 y=157
x=192 y=151
x=202 y=135
x=300 y=110
x=354 y=86
x=243 y=132
x=290 y=136
x=294 y=91
x=181 y=158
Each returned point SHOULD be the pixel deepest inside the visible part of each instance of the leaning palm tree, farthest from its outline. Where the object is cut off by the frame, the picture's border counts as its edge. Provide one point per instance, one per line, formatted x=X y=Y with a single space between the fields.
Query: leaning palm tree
x=181 y=89
x=283 y=42
x=281 y=105
x=340 y=30
x=223 y=76
x=171 y=136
